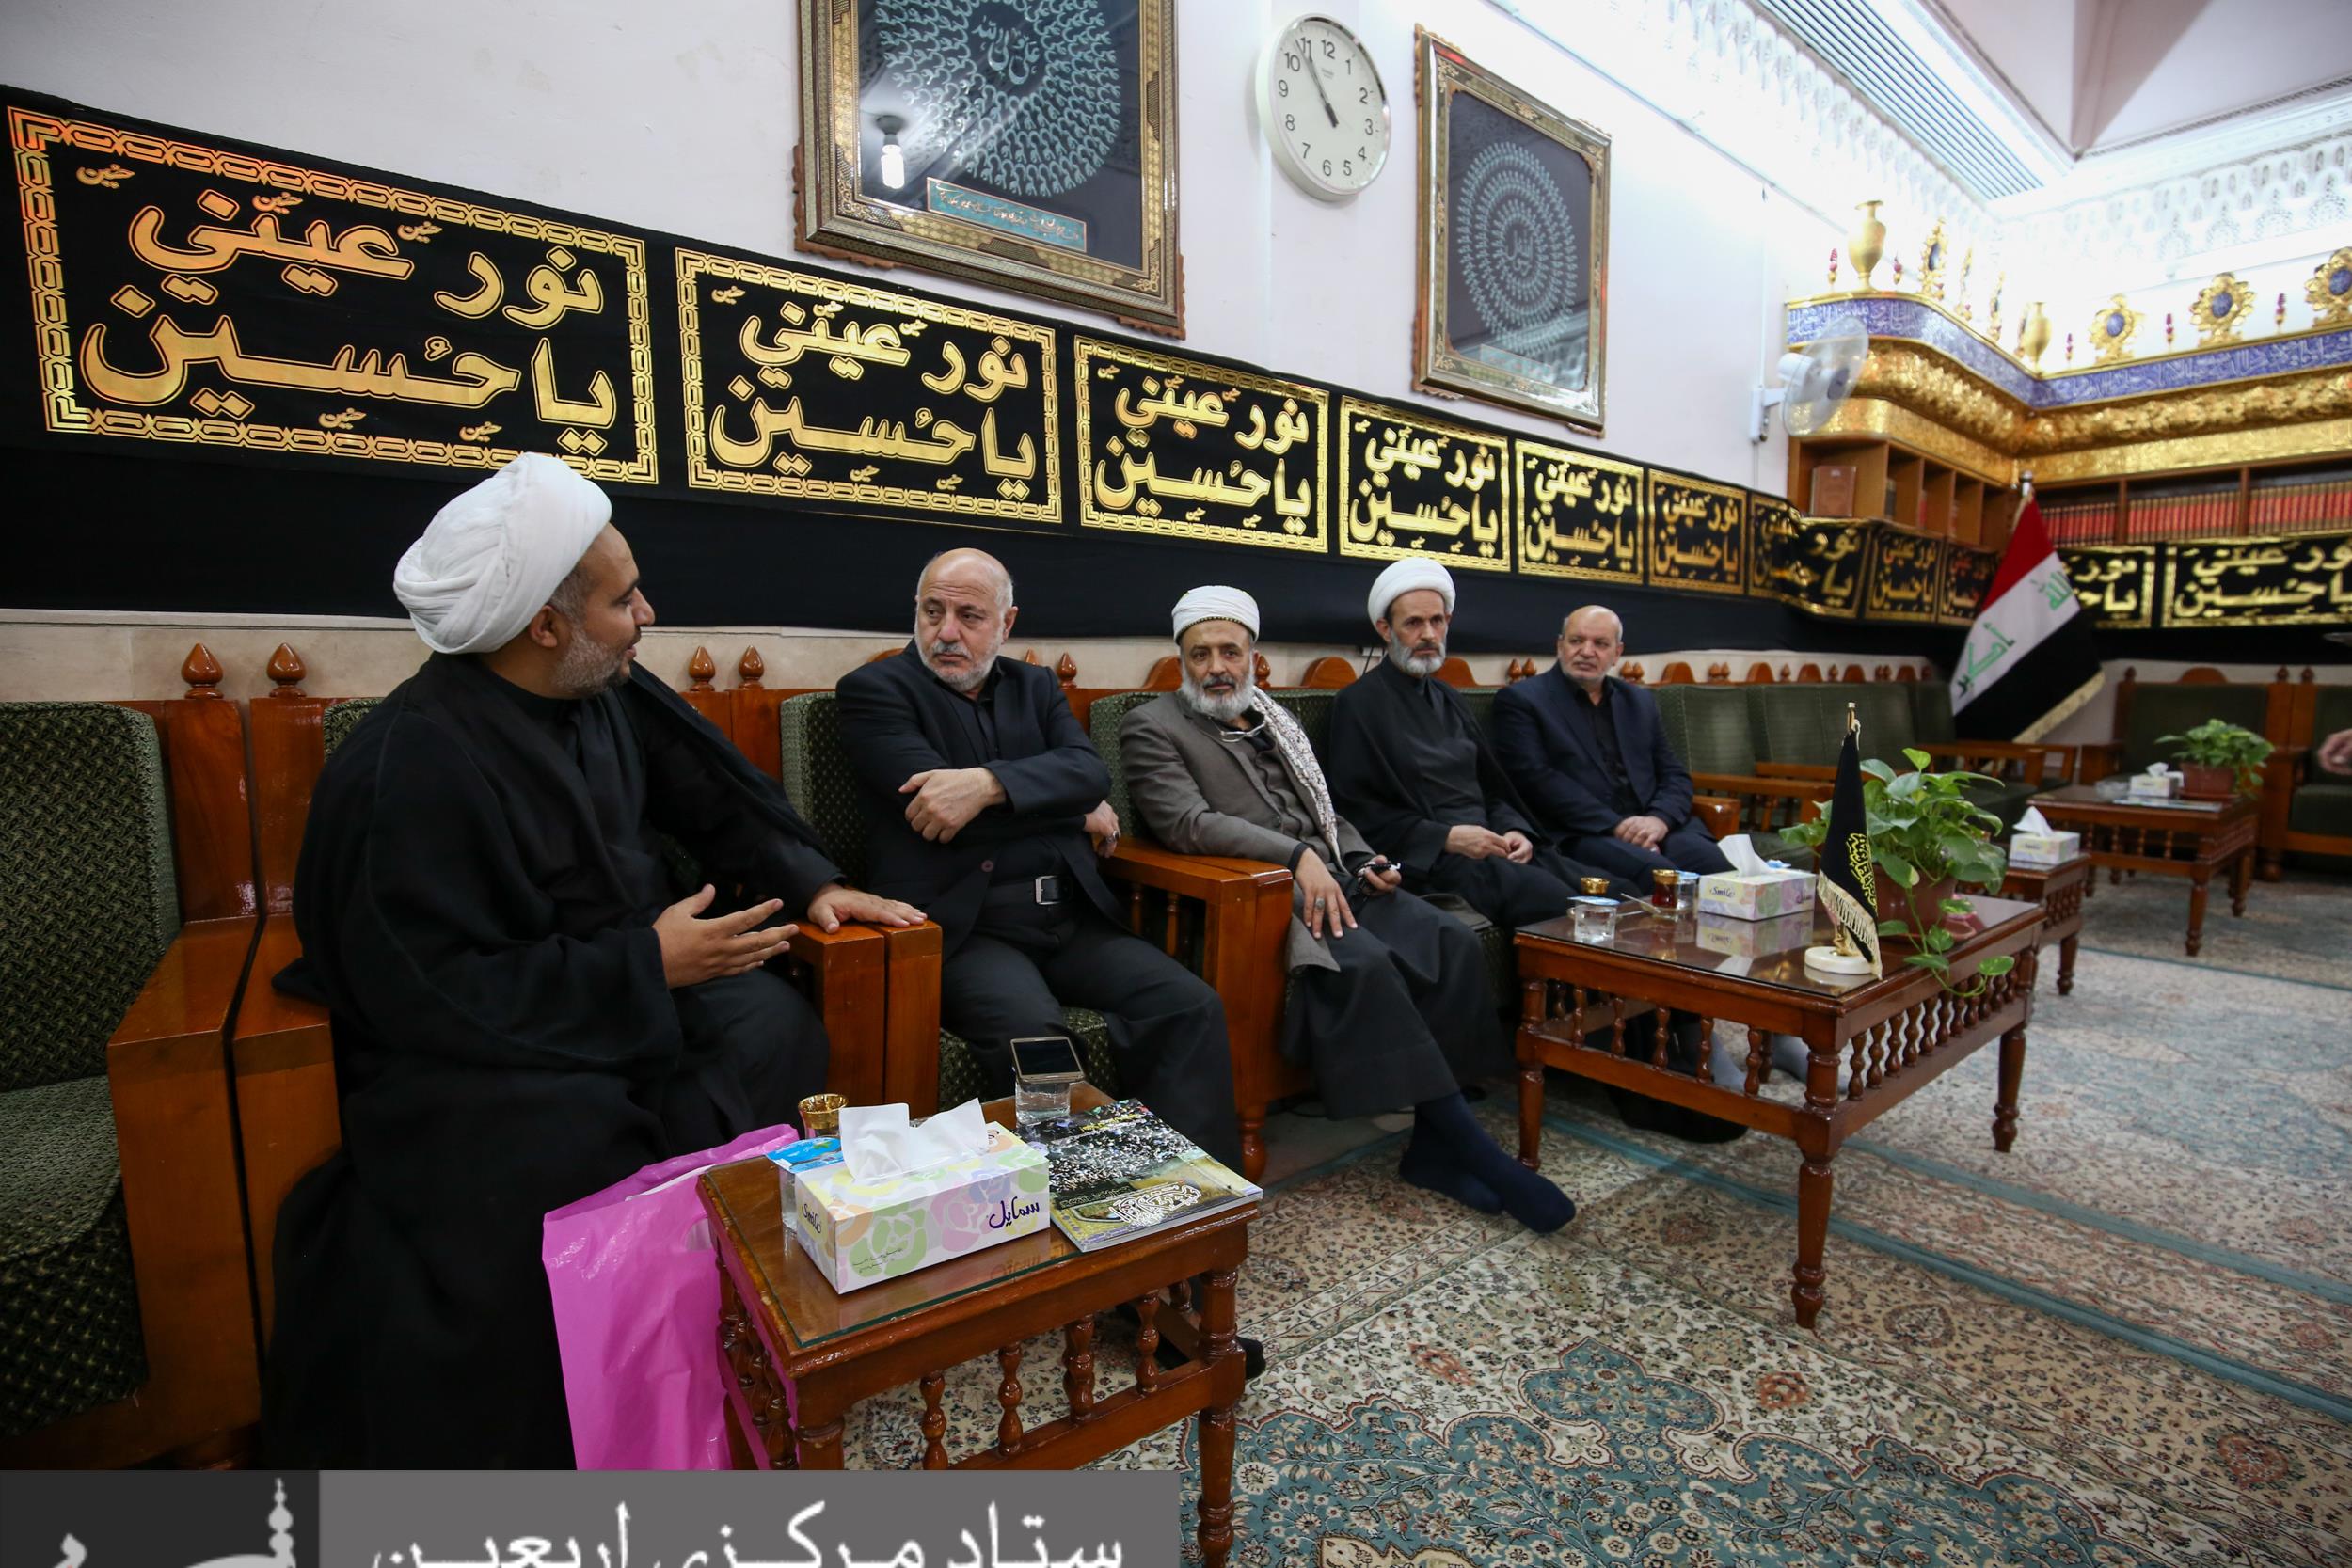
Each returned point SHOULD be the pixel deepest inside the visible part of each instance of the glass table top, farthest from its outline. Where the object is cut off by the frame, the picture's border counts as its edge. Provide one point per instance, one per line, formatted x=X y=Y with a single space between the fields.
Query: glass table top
x=1767 y=951
x=2088 y=795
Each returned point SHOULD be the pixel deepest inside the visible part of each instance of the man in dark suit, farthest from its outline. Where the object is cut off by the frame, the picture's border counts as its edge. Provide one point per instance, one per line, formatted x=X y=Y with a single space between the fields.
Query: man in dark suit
x=981 y=793
x=1588 y=754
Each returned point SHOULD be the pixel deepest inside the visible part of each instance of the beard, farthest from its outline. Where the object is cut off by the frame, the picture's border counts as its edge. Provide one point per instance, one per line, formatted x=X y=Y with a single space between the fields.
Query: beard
x=1224 y=707
x=1404 y=656
x=966 y=679
x=588 y=667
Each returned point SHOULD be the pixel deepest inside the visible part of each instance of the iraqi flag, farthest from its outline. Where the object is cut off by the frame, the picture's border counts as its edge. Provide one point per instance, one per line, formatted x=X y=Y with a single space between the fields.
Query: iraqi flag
x=2029 y=662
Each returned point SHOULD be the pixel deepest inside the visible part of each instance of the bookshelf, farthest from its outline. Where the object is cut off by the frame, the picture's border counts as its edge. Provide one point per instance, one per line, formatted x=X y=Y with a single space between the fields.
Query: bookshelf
x=1886 y=481
x=2215 y=503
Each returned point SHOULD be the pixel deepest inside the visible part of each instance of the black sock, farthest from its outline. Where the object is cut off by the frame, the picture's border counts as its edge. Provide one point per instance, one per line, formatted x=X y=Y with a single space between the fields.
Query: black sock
x=1427 y=1163
x=1530 y=1199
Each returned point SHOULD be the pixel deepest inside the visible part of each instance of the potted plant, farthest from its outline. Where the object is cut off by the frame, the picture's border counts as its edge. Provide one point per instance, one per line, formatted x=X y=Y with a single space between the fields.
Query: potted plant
x=1928 y=840
x=2217 y=759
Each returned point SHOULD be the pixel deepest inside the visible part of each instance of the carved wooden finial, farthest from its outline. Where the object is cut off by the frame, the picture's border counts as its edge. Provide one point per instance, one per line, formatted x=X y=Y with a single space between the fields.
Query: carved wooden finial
x=201 y=671
x=1784 y=674
x=1262 y=672
x=1718 y=674
x=1631 y=673
x=2307 y=674
x=2131 y=672
x=2282 y=675
x=1884 y=673
x=1066 y=671
x=699 y=670
x=1028 y=656
x=750 y=668
x=286 y=671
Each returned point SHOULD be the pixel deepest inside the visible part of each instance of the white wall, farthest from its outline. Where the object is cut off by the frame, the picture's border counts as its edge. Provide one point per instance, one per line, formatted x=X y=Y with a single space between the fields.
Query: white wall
x=682 y=116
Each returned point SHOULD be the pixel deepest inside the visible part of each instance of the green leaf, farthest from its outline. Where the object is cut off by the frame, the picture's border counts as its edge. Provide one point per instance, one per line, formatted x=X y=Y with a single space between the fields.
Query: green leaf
x=2000 y=964
x=1893 y=928
x=1938 y=939
x=1904 y=873
x=1934 y=961
x=1878 y=769
x=1919 y=760
x=1957 y=906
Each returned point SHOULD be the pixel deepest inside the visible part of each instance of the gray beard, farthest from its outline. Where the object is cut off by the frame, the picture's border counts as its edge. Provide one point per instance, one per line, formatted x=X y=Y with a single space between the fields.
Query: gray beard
x=588 y=668
x=1402 y=655
x=969 y=680
x=1223 y=709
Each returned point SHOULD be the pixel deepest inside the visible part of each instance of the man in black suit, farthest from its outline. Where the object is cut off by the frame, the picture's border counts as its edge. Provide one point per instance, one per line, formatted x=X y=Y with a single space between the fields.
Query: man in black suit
x=981 y=794
x=1590 y=757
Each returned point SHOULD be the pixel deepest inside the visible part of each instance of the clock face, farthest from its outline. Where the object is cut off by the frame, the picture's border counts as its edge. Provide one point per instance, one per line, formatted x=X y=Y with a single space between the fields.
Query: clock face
x=1322 y=108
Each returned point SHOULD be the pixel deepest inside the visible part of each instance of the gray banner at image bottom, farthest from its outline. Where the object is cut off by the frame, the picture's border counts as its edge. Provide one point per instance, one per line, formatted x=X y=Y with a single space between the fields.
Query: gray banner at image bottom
x=792 y=1519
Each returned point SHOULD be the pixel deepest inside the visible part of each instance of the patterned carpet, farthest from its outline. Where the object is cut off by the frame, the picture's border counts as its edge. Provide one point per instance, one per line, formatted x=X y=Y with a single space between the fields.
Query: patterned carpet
x=2127 y=1341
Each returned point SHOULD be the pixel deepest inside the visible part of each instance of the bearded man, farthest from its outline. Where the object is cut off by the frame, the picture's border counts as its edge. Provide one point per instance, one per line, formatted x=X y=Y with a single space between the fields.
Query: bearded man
x=1410 y=767
x=1388 y=1003
x=525 y=1008
x=982 y=794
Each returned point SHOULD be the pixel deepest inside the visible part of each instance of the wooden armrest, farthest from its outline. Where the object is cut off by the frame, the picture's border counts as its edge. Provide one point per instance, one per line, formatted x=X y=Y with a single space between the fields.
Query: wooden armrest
x=2098 y=758
x=1741 y=784
x=1204 y=876
x=1813 y=771
x=2042 y=760
x=1718 y=814
x=849 y=970
x=188 y=997
x=289 y=1121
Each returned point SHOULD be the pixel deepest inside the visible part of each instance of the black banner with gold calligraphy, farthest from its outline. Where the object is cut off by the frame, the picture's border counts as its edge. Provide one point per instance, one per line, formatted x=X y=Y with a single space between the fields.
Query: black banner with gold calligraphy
x=1193 y=450
x=1815 y=563
x=1904 y=571
x=2116 y=584
x=1966 y=575
x=1698 y=534
x=1409 y=485
x=2305 y=580
x=1578 y=515
x=186 y=294
x=956 y=411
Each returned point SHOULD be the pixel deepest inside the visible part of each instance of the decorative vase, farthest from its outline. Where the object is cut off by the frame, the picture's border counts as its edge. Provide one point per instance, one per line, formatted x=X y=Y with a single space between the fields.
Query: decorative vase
x=2206 y=781
x=1866 y=244
x=2033 y=334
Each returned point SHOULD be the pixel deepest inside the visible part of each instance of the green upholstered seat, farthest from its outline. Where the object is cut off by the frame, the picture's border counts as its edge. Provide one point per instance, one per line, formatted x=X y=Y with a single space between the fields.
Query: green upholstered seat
x=336 y=722
x=2171 y=707
x=1707 y=727
x=88 y=906
x=819 y=781
x=1888 y=723
x=1800 y=722
x=2324 y=807
x=1932 y=712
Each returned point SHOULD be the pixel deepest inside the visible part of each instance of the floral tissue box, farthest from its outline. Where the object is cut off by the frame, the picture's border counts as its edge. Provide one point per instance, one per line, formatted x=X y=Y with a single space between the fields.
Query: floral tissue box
x=2034 y=850
x=862 y=1232
x=1760 y=895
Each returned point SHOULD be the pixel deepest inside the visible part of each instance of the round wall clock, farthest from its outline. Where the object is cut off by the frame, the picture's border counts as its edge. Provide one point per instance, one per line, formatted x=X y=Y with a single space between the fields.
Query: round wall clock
x=1323 y=108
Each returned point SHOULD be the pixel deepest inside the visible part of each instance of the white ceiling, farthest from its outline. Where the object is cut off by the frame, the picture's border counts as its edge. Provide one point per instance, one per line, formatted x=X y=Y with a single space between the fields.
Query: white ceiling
x=2101 y=74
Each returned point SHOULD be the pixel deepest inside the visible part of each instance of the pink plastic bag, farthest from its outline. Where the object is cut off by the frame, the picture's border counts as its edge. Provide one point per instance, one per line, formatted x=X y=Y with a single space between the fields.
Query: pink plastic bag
x=634 y=1275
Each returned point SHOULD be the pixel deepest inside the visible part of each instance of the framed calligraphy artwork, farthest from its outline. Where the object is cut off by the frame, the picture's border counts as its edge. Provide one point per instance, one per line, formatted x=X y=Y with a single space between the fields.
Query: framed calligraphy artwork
x=798 y=385
x=1904 y=571
x=186 y=294
x=1698 y=534
x=1966 y=575
x=1411 y=485
x=2116 y=584
x=1514 y=244
x=1025 y=144
x=2301 y=581
x=1195 y=450
x=1580 y=516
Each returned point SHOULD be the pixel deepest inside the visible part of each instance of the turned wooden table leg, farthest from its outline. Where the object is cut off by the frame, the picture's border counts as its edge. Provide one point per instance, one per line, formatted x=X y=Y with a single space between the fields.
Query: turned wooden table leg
x=2012 y=1073
x=1813 y=1190
x=1217 y=1424
x=2066 y=964
x=1530 y=1076
x=821 y=1446
x=2241 y=877
x=2197 y=890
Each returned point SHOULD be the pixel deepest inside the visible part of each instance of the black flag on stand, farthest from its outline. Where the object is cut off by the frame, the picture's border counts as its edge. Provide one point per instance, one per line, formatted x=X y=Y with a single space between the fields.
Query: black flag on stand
x=1849 y=879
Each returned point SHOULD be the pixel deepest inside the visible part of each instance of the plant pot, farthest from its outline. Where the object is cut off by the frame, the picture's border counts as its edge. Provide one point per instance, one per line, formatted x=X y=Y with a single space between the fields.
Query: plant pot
x=2201 y=781
x=1896 y=903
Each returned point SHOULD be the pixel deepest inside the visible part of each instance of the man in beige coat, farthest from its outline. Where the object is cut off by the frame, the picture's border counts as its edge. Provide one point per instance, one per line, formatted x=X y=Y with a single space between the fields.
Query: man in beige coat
x=1390 y=1005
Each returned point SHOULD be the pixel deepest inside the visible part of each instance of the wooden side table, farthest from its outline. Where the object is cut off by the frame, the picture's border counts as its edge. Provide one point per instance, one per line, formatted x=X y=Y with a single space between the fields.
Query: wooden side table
x=2060 y=890
x=2169 y=838
x=783 y=1326
x=1883 y=1038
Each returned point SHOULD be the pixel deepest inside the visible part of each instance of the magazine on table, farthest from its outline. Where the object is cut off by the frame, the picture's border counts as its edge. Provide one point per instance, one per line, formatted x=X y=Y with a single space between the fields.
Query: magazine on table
x=1119 y=1172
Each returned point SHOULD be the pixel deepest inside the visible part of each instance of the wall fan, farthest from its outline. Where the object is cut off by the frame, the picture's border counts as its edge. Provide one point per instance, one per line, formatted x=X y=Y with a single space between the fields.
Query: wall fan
x=1814 y=380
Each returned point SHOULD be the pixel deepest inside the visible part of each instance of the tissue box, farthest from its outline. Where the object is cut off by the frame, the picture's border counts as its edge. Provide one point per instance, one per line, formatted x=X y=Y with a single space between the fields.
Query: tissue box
x=2039 y=849
x=2155 y=786
x=862 y=1232
x=1744 y=937
x=1758 y=897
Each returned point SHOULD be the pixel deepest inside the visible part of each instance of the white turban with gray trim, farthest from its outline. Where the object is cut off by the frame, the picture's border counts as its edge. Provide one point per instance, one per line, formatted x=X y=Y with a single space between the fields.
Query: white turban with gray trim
x=489 y=558
x=1217 y=603
x=1403 y=576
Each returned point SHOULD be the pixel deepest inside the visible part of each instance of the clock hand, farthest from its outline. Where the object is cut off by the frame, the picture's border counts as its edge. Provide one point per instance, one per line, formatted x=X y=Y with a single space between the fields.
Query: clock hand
x=1317 y=77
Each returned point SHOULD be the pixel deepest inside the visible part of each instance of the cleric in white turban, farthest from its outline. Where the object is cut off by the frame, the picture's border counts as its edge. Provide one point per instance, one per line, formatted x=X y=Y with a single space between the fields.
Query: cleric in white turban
x=1389 y=1002
x=530 y=1002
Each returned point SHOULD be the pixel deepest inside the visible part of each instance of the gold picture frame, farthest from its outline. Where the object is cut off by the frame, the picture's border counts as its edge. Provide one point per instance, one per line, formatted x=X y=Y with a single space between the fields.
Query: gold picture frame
x=1045 y=162
x=1514 y=244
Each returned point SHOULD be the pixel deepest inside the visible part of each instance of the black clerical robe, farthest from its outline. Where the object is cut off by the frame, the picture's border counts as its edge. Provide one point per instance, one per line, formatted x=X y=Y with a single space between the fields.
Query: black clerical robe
x=476 y=894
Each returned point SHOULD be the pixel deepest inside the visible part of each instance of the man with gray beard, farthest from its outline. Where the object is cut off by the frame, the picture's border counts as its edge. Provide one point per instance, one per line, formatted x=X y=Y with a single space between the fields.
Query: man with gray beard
x=1409 y=765
x=982 y=792
x=1388 y=1003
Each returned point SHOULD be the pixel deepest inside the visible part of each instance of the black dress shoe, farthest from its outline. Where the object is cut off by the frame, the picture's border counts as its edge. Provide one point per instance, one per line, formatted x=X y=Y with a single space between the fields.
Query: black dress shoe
x=1169 y=1357
x=1674 y=1121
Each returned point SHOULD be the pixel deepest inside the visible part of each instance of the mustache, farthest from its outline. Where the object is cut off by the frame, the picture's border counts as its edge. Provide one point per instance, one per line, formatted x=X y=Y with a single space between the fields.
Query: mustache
x=947 y=650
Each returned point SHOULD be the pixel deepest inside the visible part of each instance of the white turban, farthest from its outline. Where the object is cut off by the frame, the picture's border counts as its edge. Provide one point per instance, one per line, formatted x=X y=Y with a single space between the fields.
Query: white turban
x=1414 y=571
x=1217 y=603
x=489 y=558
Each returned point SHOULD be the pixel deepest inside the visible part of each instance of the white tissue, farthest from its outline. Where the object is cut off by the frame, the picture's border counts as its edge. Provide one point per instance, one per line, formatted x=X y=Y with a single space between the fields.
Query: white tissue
x=877 y=1141
x=2034 y=822
x=1744 y=861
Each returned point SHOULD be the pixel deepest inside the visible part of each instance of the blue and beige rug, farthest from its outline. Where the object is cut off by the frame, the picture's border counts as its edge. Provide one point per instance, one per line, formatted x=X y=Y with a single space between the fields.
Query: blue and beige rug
x=2128 y=1341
